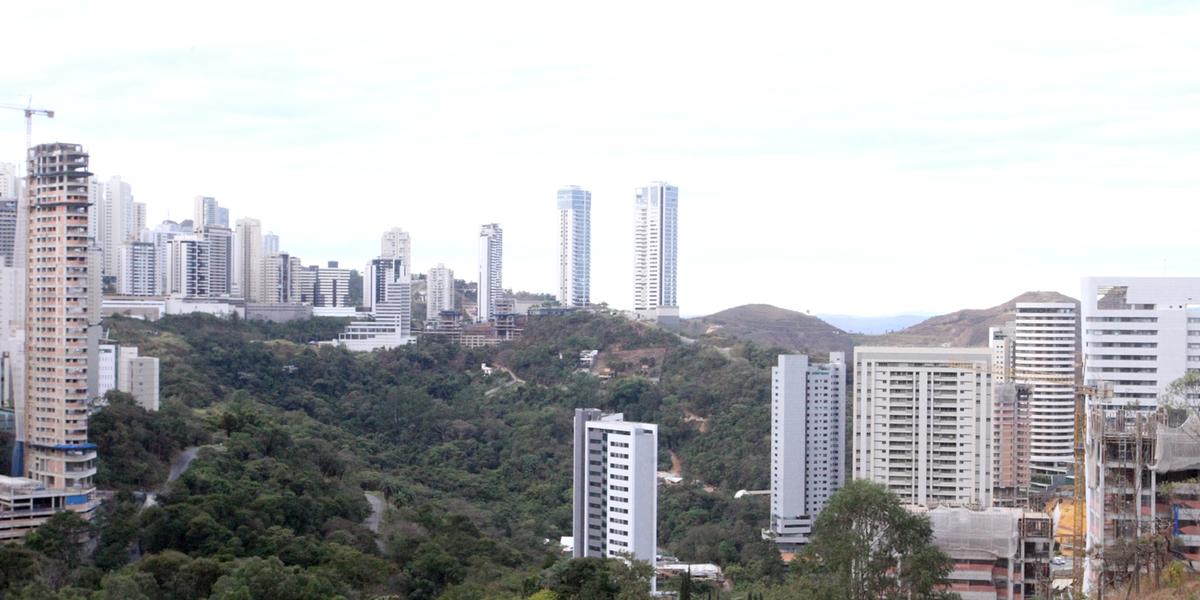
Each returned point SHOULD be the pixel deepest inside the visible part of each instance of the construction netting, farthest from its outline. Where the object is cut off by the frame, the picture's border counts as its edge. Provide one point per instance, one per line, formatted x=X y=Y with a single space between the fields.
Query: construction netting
x=963 y=533
x=1177 y=448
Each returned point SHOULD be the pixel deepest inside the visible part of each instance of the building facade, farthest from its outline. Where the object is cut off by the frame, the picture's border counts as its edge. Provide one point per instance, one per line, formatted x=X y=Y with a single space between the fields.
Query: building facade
x=615 y=489
x=220 y=259
x=248 y=259
x=655 y=251
x=808 y=458
x=1140 y=334
x=115 y=219
x=8 y=231
x=923 y=423
x=53 y=450
x=139 y=269
x=574 y=246
x=188 y=266
x=491 y=283
x=397 y=244
x=439 y=295
x=380 y=272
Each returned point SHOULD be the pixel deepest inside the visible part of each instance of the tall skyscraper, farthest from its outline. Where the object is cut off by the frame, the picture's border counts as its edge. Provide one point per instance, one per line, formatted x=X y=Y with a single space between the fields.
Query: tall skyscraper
x=139 y=220
x=277 y=273
x=270 y=244
x=8 y=180
x=139 y=269
x=615 y=490
x=248 y=259
x=379 y=274
x=116 y=223
x=808 y=457
x=52 y=437
x=8 y=231
x=220 y=259
x=490 y=291
x=396 y=243
x=439 y=291
x=1038 y=350
x=188 y=266
x=655 y=251
x=205 y=212
x=574 y=246
x=1140 y=334
x=923 y=423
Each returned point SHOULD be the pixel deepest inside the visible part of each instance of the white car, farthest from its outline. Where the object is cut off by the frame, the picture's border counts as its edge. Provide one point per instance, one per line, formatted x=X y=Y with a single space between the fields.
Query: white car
x=1059 y=560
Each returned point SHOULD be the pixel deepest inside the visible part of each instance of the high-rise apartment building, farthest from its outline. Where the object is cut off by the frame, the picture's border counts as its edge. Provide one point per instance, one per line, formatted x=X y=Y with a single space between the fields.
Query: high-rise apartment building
x=615 y=490
x=574 y=246
x=205 y=212
x=8 y=231
x=115 y=219
x=1013 y=477
x=491 y=254
x=248 y=259
x=1140 y=334
x=52 y=437
x=333 y=286
x=220 y=259
x=188 y=266
x=439 y=291
x=270 y=244
x=397 y=243
x=139 y=269
x=380 y=272
x=9 y=180
x=923 y=423
x=277 y=286
x=808 y=457
x=139 y=220
x=655 y=251
x=1038 y=350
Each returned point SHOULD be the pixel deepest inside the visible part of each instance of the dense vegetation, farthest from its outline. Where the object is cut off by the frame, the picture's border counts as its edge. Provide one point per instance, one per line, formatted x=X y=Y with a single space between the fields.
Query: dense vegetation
x=472 y=471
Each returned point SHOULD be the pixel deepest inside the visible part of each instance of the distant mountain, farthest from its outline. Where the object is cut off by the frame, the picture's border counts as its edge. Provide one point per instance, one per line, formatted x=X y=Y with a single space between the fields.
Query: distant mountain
x=769 y=325
x=962 y=328
x=872 y=325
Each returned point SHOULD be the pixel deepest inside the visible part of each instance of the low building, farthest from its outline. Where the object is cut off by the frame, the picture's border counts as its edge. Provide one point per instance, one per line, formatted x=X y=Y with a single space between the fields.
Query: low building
x=25 y=504
x=998 y=553
x=278 y=313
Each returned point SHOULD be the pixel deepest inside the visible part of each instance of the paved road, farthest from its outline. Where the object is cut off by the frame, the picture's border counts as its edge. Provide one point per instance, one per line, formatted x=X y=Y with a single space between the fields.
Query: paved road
x=179 y=466
x=372 y=521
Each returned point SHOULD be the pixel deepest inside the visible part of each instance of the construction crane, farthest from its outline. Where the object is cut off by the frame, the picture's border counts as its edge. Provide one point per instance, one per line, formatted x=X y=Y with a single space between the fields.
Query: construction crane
x=29 y=111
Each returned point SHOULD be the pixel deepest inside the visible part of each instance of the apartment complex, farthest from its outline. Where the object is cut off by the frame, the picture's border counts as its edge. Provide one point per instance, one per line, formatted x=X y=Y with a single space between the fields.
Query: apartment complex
x=138 y=267
x=248 y=260
x=808 y=458
x=491 y=282
x=8 y=231
x=615 y=490
x=380 y=272
x=655 y=251
x=574 y=246
x=1139 y=334
x=439 y=291
x=397 y=243
x=53 y=451
x=923 y=423
x=121 y=368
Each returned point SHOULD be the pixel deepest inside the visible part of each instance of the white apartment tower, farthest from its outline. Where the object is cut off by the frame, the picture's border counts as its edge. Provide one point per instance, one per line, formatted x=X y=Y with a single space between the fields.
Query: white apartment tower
x=1139 y=335
x=115 y=219
x=615 y=490
x=187 y=266
x=655 y=251
x=808 y=457
x=923 y=423
x=396 y=243
x=439 y=291
x=139 y=269
x=379 y=273
x=248 y=259
x=574 y=246
x=1043 y=357
x=52 y=438
x=8 y=180
x=490 y=290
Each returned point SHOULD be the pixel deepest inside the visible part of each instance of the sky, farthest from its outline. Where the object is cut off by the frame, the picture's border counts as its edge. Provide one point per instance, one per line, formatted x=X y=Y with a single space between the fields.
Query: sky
x=863 y=158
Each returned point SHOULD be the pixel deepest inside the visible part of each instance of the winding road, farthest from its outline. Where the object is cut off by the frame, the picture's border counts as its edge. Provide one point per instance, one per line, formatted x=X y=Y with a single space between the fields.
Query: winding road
x=179 y=466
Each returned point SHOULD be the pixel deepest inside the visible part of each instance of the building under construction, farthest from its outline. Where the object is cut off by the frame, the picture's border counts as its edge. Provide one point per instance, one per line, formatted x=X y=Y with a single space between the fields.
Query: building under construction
x=1143 y=495
x=998 y=553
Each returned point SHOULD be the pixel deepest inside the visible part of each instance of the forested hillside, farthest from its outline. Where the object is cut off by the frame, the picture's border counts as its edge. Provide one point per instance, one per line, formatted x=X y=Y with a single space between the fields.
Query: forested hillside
x=472 y=471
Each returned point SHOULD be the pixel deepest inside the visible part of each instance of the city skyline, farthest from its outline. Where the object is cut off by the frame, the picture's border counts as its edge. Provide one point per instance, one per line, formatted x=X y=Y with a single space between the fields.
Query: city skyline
x=1040 y=115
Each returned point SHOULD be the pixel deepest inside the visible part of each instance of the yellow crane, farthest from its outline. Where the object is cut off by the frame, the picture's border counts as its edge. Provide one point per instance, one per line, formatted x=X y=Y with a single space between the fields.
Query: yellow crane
x=29 y=111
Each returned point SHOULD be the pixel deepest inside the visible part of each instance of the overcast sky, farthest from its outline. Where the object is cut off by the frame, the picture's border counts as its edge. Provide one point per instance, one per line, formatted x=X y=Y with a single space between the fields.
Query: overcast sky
x=870 y=158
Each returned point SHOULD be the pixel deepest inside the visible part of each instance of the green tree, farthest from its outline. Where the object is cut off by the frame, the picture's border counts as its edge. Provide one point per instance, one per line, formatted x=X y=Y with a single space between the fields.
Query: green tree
x=866 y=545
x=61 y=537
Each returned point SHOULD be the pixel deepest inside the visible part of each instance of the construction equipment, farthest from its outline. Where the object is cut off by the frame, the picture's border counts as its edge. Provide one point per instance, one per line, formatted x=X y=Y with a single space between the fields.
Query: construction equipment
x=29 y=111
